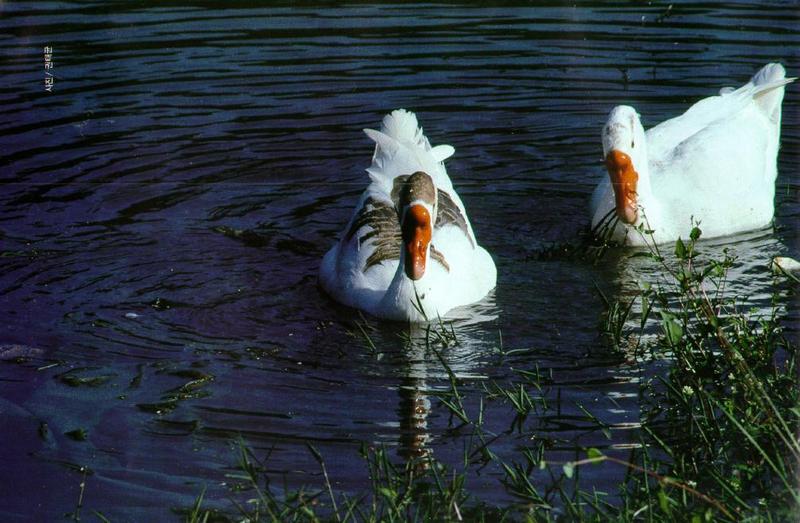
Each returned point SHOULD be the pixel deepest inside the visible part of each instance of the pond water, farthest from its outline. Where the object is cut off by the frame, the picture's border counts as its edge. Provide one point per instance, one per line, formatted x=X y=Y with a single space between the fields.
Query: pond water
x=166 y=205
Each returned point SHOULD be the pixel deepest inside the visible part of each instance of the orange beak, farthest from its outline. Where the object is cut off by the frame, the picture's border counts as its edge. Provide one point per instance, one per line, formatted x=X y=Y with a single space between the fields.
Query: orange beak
x=416 y=237
x=623 y=180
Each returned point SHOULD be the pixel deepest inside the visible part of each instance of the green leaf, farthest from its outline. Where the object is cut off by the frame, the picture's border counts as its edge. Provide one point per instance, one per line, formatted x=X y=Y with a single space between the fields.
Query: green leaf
x=593 y=453
x=645 y=310
x=680 y=249
x=569 y=469
x=106 y=520
x=663 y=502
x=387 y=493
x=672 y=329
x=695 y=234
x=509 y=472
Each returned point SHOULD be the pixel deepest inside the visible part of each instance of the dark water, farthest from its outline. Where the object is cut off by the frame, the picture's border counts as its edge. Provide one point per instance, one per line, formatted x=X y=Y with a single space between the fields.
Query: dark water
x=164 y=210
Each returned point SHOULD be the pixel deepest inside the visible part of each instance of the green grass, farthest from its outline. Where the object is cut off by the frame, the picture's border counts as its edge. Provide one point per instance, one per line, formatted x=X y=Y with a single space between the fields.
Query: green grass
x=718 y=440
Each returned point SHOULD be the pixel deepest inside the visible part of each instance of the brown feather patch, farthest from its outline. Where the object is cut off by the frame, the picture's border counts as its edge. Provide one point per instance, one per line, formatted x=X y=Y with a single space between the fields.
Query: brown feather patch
x=381 y=228
x=448 y=213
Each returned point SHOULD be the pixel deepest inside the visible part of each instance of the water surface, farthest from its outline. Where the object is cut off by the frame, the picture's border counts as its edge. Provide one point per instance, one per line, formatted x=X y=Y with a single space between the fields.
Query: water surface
x=165 y=208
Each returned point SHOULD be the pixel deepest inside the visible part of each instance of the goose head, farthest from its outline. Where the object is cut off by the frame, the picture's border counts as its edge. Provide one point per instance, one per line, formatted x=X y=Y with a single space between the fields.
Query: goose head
x=625 y=153
x=416 y=209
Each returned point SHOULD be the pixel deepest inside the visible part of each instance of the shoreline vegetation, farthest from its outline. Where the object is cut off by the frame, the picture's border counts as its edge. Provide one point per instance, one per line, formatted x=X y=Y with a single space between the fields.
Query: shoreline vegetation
x=718 y=436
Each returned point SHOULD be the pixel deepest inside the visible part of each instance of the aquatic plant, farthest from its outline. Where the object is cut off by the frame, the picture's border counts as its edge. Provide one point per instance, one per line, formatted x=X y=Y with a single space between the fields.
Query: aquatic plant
x=718 y=437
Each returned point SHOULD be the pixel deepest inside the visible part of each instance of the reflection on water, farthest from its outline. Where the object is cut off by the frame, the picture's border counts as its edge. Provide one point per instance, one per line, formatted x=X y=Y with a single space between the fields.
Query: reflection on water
x=413 y=409
x=431 y=356
x=165 y=208
x=749 y=281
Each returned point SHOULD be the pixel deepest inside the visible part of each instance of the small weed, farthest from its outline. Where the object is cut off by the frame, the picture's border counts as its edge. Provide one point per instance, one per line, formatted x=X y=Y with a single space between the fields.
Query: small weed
x=718 y=437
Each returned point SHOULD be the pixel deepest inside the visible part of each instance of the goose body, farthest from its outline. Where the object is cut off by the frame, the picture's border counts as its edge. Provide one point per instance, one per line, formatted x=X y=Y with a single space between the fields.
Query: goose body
x=408 y=252
x=715 y=165
x=786 y=266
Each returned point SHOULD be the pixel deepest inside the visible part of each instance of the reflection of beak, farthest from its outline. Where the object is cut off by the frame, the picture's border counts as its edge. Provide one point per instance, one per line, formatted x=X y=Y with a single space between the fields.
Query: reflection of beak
x=623 y=180
x=416 y=237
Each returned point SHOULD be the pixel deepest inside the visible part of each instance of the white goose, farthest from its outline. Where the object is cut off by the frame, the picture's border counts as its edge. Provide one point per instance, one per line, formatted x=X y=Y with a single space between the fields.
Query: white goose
x=716 y=164
x=409 y=242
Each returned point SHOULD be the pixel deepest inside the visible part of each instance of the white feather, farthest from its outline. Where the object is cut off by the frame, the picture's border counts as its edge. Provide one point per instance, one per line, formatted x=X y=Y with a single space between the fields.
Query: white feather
x=402 y=148
x=384 y=290
x=716 y=163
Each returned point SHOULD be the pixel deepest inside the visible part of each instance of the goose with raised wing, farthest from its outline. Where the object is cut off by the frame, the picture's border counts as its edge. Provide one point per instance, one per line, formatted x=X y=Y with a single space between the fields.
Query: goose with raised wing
x=715 y=165
x=409 y=251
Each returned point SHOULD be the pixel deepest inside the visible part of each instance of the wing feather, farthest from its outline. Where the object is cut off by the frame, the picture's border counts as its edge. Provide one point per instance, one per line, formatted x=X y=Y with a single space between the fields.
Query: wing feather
x=378 y=226
x=381 y=229
x=448 y=213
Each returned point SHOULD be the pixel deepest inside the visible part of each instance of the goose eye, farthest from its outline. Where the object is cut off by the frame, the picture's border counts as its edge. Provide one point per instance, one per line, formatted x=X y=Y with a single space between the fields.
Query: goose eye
x=631 y=144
